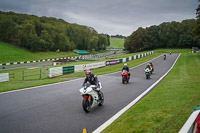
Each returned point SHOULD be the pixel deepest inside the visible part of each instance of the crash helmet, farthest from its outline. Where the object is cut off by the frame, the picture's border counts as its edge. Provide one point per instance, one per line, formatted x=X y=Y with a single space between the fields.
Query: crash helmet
x=125 y=64
x=88 y=72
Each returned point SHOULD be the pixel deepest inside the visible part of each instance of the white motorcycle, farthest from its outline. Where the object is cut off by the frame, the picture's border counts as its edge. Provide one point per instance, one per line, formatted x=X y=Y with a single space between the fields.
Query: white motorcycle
x=147 y=73
x=90 y=96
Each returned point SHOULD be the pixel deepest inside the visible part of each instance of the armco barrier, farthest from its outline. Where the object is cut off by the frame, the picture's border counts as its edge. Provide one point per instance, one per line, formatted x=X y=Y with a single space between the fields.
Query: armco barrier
x=192 y=124
x=124 y=59
x=78 y=68
x=56 y=71
x=4 y=77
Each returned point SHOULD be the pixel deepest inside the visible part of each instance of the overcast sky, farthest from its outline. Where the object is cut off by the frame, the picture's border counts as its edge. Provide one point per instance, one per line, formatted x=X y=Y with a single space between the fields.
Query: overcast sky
x=108 y=16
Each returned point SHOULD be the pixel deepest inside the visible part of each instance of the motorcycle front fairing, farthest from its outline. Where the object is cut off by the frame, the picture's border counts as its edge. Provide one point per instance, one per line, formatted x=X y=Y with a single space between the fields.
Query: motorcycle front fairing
x=85 y=92
x=147 y=70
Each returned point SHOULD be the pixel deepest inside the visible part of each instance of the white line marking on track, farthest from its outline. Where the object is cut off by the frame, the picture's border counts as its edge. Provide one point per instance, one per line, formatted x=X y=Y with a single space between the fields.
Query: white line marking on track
x=118 y=114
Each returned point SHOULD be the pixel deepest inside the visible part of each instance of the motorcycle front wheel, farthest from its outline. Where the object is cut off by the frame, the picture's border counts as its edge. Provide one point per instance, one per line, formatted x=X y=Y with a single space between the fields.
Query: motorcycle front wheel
x=123 y=79
x=86 y=105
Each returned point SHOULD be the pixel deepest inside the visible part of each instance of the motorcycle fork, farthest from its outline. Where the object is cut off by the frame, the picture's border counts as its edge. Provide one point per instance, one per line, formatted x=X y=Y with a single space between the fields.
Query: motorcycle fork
x=88 y=97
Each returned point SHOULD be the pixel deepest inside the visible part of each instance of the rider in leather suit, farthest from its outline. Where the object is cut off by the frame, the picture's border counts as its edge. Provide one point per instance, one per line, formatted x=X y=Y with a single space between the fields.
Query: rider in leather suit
x=93 y=80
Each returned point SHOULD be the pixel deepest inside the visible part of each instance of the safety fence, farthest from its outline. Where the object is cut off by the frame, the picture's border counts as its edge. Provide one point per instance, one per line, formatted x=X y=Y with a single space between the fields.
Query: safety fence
x=25 y=75
x=30 y=74
x=58 y=71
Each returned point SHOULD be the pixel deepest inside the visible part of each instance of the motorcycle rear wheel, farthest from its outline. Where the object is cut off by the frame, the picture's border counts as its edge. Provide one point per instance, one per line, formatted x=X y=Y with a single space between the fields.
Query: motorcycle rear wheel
x=102 y=99
x=147 y=76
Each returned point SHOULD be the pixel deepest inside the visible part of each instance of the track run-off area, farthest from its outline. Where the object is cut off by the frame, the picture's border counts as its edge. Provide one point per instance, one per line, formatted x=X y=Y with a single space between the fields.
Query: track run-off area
x=58 y=107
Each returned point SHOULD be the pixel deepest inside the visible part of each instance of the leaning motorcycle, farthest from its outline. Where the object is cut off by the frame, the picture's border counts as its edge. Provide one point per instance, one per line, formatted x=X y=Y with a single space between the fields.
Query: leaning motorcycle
x=90 y=96
x=147 y=73
x=125 y=77
x=164 y=57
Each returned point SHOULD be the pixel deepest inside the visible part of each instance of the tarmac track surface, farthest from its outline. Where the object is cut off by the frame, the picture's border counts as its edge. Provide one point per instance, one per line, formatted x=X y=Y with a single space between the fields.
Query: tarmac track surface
x=57 y=108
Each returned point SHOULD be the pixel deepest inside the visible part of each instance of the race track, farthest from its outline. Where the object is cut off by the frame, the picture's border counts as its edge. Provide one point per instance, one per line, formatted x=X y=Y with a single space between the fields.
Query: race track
x=57 y=108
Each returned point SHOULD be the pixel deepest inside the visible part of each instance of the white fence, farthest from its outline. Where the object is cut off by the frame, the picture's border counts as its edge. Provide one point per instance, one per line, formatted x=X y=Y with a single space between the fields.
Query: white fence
x=56 y=71
x=4 y=77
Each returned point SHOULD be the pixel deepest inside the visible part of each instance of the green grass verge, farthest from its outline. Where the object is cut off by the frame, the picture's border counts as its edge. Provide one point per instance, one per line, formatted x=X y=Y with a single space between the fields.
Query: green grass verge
x=169 y=105
x=10 y=53
x=18 y=83
x=117 y=43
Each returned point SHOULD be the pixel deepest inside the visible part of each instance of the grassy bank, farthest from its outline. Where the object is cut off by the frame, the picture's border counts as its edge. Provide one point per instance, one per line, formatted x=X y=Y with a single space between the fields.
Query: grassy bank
x=10 y=53
x=169 y=105
x=117 y=43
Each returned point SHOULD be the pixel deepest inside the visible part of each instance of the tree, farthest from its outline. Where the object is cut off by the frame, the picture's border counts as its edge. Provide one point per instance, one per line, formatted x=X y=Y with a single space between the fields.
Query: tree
x=152 y=39
x=134 y=43
x=93 y=42
x=7 y=29
x=102 y=41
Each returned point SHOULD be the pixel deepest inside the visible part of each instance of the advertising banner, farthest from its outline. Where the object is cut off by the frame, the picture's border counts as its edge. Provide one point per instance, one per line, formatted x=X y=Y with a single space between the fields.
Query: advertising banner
x=112 y=62
x=94 y=65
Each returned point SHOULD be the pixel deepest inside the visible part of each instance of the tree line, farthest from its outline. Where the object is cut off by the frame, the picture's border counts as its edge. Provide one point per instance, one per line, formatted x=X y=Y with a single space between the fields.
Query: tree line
x=117 y=36
x=185 y=34
x=48 y=34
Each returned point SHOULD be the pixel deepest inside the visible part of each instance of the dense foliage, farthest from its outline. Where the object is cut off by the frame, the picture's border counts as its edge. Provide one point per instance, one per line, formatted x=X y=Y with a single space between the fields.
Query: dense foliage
x=166 y=35
x=48 y=33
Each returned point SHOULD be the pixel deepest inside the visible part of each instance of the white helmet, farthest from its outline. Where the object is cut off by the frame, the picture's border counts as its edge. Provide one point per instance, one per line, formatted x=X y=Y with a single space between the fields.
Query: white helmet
x=125 y=64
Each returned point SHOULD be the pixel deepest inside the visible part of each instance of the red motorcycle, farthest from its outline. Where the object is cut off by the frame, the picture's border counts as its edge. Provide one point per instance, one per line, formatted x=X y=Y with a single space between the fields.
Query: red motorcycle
x=125 y=77
x=152 y=68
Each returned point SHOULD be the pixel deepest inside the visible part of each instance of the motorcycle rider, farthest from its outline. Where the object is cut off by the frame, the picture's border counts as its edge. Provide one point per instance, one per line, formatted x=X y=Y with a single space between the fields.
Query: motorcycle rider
x=152 y=68
x=148 y=66
x=92 y=79
x=125 y=67
x=164 y=56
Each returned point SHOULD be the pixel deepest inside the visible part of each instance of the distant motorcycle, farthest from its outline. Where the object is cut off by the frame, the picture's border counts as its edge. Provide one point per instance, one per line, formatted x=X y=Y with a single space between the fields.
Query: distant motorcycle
x=125 y=77
x=147 y=73
x=164 y=57
x=90 y=96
